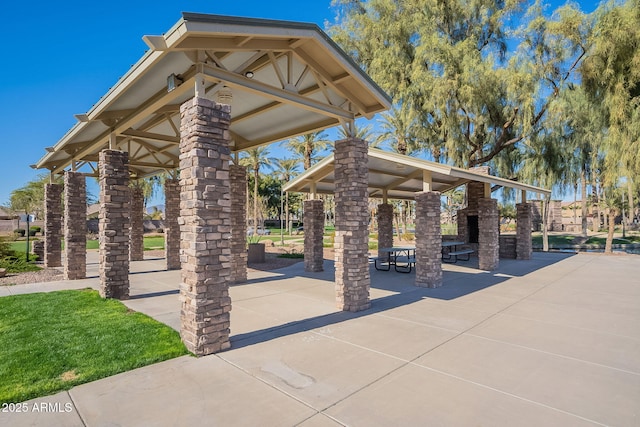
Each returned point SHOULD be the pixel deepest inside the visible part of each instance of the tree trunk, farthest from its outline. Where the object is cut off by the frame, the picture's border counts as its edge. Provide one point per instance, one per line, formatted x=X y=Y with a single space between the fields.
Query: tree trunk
x=575 y=203
x=286 y=214
x=631 y=205
x=608 y=246
x=583 y=181
x=545 y=222
x=255 y=202
x=596 y=211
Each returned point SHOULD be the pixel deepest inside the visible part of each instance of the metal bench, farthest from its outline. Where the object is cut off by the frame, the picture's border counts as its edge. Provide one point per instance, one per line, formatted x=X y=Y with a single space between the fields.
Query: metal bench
x=454 y=256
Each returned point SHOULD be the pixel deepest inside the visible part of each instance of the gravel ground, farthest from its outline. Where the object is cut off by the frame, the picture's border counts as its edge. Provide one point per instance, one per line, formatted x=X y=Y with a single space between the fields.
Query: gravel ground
x=44 y=275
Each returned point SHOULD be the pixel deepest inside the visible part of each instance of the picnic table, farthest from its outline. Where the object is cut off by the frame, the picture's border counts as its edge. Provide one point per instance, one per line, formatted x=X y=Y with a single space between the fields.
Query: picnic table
x=403 y=257
x=451 y=253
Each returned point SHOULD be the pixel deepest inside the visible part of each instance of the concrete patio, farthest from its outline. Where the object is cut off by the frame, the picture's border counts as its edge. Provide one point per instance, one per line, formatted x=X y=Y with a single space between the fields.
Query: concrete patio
x=554 y=341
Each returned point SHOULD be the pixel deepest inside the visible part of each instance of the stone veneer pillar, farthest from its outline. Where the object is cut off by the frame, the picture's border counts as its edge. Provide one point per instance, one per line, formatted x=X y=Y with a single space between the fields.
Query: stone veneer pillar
x=524 y=219
x=75 y=226
x=352 y=233
x=136 y=250
x=205 y=225
x=52 y=225
x=313 y=232
x=238 y=178
x=385 y=227
x=171 y=227
x=489 y=232
x=428 y=240
x=114 y=223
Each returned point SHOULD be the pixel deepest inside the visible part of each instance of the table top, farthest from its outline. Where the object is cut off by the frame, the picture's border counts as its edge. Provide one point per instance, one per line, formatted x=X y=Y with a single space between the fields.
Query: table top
x=447 y=244
x=398 y=249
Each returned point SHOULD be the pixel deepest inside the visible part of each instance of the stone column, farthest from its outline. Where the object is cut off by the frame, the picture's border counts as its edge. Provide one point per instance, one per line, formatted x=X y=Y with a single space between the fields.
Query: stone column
x=488 y=238
x=171 y=227
x=313 y=232
x=428 y=240
x=205 y=225
x=75 y=226
x=114 y=224
x=385 y=227
x=238 y=177
x=524 y=218
x=136 y=250
x=352 y=233
x=37 y=247
x=461 y=219
x=52 y=225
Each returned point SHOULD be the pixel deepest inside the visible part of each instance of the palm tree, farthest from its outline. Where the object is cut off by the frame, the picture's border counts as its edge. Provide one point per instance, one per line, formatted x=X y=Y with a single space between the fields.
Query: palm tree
x=255 y=159
x=398 y=132
x=288 y=168
x=306 y=146
x=360 y=132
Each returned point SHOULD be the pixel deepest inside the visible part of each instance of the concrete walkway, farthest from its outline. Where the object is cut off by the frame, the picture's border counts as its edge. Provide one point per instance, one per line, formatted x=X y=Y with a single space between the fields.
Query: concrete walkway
x=550 y=342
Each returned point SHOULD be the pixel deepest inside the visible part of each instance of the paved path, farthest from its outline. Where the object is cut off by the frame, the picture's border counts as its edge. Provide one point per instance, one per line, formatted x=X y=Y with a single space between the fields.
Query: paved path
x=550 y=342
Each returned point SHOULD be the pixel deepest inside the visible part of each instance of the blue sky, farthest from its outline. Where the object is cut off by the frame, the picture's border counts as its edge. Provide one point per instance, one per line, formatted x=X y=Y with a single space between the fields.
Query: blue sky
x=61 y=57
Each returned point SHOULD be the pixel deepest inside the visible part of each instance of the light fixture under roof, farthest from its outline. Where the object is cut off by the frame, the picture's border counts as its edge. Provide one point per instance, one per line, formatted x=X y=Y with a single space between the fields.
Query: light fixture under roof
x=224 y=95
x=249 y=74
x=173 y=82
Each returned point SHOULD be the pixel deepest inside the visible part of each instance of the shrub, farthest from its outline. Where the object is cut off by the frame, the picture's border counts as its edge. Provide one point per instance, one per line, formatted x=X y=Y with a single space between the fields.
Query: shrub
x=20 y=232
x=35 y=228
x=17 y=263
x=408 y=237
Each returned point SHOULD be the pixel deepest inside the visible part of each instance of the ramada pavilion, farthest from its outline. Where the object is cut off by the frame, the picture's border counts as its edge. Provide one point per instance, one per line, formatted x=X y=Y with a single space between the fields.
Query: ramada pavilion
x=213 y=86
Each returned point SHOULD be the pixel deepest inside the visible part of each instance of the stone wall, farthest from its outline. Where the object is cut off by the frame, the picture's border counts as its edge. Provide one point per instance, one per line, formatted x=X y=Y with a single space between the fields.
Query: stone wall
x=508 y=246
x=114 y=224
x=554 y=222
x=524 y=218
x=171 y=227
x=238 y=177
x=52 y=225
x=313 y=233
x=75 y=226
x=352 y=216
x=205 y=225
x=428 y=240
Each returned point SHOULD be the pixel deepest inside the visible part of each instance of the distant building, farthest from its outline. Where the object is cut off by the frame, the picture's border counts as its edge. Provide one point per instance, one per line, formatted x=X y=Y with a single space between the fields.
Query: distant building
x=4 y=214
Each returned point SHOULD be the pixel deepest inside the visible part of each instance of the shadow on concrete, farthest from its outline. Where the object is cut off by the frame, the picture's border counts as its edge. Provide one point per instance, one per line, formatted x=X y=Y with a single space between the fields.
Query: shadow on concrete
x=464 y=280
x=155 y=294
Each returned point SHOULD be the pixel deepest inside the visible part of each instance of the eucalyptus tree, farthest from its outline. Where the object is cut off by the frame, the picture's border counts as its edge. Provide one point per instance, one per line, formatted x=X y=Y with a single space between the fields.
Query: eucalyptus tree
x=30 y=197
x=306 y=147
x=256 y=159
x=611 y=77
x=448 y=63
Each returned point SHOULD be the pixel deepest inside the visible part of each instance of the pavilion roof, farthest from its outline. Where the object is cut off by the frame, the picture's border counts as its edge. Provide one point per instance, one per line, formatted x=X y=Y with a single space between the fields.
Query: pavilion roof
x=400 y=177
x=285 y=78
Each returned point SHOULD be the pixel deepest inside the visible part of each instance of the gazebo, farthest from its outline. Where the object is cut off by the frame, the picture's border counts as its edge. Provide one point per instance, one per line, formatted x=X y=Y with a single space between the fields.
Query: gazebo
x=394 y=176
x=211 y=86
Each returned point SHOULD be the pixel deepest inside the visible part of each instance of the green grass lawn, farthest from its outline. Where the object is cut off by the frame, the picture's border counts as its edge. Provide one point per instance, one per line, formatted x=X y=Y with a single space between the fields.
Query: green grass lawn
x=52 y=341
x=150 y=242
x=567 y=240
